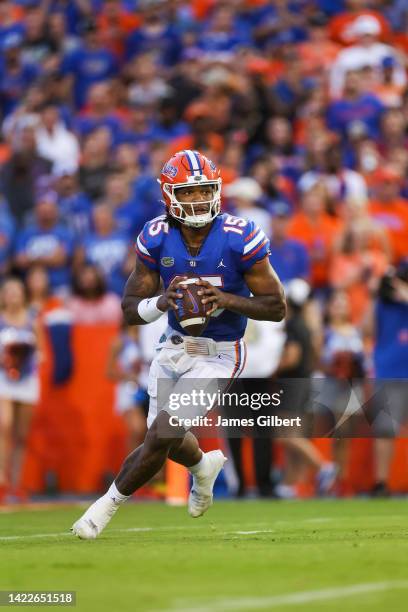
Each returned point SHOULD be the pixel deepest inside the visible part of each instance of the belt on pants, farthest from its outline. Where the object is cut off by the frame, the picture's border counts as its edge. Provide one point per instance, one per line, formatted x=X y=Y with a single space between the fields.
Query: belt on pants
x=197 y=346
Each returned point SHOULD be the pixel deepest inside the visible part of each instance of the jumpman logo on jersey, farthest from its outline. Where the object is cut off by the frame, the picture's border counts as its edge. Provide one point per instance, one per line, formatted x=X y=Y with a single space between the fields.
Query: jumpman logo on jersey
x=221 y=264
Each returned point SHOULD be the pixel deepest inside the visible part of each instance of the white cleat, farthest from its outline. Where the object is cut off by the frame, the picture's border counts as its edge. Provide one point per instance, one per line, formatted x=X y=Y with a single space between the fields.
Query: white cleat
x=95 y=519
x=201 y=494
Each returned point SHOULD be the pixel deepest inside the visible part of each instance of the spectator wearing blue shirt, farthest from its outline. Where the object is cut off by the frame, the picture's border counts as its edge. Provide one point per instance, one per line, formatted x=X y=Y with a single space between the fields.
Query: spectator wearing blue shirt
x=99 y=112
x=21 y=174
x=390 y=327
x=144 y=188
x=156 y=36
x=16 y=75
x=279 y=22
x=7 y=233
x=126 y=162
x=95 y=163
x=146 y=193
x=108 y=248
x=142 y=129
x=74 y=12
x=168 y=119
x=46 y=242
x=37 y=46
x=90 y=64
x=126 y=211
x=356 y=108
x=11 y=22
x=222 y=35
x=288 y=257
x=147 y=82
x=74 y=205
x=62 y=40
x=293 y=88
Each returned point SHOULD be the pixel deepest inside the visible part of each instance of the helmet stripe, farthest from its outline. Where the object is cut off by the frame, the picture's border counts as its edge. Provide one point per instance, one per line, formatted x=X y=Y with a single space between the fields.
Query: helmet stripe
x=192 y=161
x=198 y=161
x=189 y=161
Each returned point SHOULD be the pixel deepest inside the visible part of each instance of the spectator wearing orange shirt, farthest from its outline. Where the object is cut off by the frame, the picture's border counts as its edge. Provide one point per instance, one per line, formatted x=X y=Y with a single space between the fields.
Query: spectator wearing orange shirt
x=202 y=136
x=357 y=268
x=318 y=53
x=317 y=230
x=202 y=8
x=389 y=209
x=229 y=163
x=10 y=14
x=115 y=24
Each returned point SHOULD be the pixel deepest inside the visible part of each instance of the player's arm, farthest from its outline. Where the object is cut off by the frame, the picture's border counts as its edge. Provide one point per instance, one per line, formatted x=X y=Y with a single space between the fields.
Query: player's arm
x=267 y=302
x=139 y=304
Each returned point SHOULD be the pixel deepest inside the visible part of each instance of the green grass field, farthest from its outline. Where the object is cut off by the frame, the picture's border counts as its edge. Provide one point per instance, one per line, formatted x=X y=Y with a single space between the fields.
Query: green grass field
x=313 y=555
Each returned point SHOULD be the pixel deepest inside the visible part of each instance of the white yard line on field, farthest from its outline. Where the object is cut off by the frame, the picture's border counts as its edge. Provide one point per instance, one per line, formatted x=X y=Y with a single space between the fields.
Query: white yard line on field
x=32 y=536
x=209 y=527
x=273 y=601
x=254 y=532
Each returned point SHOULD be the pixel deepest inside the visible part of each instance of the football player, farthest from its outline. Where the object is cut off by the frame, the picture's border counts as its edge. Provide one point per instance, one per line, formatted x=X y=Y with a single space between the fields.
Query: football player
x=230 y=256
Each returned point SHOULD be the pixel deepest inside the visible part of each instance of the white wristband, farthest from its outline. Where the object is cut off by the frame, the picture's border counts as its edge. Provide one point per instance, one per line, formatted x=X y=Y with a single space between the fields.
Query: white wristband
x=148 y=311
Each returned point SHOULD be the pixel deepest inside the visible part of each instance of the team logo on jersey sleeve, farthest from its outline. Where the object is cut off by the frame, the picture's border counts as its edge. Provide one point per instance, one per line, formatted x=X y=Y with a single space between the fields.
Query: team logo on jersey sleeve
x=167 y=262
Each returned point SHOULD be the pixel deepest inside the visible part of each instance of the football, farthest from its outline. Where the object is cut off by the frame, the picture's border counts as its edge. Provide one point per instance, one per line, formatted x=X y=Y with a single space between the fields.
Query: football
x=191 y=313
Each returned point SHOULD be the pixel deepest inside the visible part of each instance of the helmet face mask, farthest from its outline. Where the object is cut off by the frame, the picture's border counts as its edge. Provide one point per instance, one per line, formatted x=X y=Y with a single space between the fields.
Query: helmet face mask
x=191 y=169
x=190 y=212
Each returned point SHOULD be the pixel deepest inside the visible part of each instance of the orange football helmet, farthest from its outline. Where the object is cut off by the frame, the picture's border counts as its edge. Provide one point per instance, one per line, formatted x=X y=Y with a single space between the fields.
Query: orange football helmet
x=190 y=168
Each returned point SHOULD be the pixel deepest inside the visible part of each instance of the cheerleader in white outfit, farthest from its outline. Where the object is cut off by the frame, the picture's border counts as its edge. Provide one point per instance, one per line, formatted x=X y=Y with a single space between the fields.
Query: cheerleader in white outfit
x=19 y=383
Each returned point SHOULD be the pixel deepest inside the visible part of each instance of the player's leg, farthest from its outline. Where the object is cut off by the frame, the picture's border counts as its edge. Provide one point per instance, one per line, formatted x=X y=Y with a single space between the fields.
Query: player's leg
x=204 y=468
x=214 y=373
x=218 y=371
x=137 y=469
x=188 y=453
x=146 y=460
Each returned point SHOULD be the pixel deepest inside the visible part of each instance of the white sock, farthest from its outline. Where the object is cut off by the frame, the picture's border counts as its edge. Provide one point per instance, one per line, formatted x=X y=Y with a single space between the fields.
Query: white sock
x=113 y=492
x=197 y=468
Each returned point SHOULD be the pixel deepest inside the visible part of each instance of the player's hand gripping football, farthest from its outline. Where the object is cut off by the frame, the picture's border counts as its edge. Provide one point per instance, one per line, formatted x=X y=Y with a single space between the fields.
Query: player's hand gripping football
x=172 y=293
x=212 y=295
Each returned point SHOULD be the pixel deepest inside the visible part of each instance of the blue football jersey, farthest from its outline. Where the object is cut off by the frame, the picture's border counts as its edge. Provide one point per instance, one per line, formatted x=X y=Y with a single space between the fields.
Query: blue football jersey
x=232 y=246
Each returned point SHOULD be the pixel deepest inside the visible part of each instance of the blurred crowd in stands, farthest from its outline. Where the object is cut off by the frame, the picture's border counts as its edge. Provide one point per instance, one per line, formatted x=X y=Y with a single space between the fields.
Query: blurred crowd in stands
x=303 y=104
